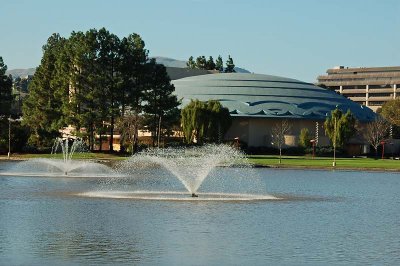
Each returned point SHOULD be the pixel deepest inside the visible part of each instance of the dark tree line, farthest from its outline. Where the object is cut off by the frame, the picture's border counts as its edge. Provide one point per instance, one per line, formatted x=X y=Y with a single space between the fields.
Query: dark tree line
x=5 y=90
x=90 y=81
x=8 y=114
x=208 y=64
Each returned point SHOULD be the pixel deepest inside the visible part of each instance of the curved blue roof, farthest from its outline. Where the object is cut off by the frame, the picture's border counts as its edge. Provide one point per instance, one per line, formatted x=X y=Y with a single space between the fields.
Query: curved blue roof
x=257 y=95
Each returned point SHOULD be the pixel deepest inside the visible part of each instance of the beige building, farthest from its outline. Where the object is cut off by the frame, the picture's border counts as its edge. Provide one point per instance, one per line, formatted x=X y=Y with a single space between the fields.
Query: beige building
x=369 y=86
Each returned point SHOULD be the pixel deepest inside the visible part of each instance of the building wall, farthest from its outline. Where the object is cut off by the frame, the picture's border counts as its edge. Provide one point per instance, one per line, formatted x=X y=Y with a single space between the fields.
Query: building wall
x=371 y=87
x=257 y=132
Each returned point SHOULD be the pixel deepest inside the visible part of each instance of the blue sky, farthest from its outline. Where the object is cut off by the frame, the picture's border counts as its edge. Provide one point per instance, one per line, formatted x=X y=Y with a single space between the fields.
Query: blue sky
x=293 y=38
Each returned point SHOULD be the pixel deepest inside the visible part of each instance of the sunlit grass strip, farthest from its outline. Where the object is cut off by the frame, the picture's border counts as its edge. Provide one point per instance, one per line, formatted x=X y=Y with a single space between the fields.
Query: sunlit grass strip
x=325 y=162
x=77 y=156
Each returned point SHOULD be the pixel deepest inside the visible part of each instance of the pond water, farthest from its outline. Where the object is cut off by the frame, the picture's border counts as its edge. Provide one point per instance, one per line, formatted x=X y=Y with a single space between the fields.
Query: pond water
x=324 y=217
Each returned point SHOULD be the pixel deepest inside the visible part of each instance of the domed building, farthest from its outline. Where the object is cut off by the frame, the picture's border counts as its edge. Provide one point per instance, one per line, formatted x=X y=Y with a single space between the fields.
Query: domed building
x=257 y=102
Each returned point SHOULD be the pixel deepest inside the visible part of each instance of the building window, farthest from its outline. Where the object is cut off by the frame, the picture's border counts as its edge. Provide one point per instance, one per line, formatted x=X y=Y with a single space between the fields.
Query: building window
x=375 y=103
x=380 y=95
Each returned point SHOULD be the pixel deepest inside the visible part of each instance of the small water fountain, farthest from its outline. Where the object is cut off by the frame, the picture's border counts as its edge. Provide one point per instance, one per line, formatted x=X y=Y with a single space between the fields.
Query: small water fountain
x=66 y=166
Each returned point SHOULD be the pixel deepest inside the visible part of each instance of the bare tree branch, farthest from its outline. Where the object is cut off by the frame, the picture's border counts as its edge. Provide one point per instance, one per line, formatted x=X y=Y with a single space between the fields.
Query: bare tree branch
x=376 y=131
x=279 y=131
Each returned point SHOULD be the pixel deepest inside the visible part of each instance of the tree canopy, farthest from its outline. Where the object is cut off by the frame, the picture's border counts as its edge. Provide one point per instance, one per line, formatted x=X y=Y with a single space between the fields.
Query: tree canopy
x=305 y=138
x=5 y=90
x=279 y=130
x=230 y=66
x=208 y=64
x=91 y=79
x=375 y=132
x=340 y=127
x=391 y=111
x=205 y=121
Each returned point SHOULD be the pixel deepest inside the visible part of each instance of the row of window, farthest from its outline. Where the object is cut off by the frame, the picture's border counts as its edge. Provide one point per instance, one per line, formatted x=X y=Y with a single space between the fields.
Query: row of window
x=363 y=87
x=374 y=103
x=370 y=95
x=322 y=80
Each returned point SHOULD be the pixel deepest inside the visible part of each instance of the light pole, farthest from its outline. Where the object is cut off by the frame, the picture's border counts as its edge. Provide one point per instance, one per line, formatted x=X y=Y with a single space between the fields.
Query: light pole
x=313 y=147
x=237 y=142
x=9 y=133
x=334 y=144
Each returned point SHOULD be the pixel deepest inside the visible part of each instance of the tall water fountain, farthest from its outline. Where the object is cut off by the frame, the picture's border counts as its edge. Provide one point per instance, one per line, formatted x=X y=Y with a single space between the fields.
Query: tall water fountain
x=210 y=172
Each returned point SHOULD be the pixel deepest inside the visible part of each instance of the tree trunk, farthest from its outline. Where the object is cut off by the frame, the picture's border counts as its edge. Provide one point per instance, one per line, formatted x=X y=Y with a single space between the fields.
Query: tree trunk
x=135 y=136
x=100 y=142
x=280 y=155
x=90 y=137
x=159 y=132
x=121 y=140
x=111 y=134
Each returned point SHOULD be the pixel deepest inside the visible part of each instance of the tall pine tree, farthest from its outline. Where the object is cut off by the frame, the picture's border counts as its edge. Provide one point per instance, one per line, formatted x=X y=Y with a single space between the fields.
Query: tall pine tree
x=42 y=109
x=161 y=104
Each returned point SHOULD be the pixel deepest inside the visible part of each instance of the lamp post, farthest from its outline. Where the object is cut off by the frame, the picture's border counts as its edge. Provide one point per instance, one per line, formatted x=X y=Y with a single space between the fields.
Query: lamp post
x=334 y=144
x=313 y=147
x=237 y=142
x=383 y=148
x=9 y=133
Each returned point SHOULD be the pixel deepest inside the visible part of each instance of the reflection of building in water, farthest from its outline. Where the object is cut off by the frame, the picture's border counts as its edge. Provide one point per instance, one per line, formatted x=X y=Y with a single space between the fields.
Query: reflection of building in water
x=369 y=86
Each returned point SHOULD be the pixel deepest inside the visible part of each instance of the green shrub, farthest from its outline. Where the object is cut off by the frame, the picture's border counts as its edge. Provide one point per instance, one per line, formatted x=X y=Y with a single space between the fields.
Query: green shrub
x=305 y=138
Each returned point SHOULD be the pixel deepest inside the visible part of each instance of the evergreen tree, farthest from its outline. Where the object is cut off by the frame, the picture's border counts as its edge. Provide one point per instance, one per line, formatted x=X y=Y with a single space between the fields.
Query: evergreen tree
x=5 y=90
x=210 y=65
x=201 y=62
x=219 y=64
x=108 y=60
x=230 y=66
x=90 y=80
x=42 y=110
x=5 y=105
x=133 y=57
x=161 y=104
x=86 y=108
x=191 y=63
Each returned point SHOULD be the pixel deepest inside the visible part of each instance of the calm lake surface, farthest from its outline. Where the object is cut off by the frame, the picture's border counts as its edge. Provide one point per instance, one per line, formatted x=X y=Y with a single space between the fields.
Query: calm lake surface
x=328 y=217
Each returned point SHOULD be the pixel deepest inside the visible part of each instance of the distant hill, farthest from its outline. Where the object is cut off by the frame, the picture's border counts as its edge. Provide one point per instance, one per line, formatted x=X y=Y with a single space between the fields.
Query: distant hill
x=166 y=61
x=170 y=62
x=20 y=72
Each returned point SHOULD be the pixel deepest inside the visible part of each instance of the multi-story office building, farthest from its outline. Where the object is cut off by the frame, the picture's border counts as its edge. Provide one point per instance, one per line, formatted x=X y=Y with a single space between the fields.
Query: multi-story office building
x=369 y=86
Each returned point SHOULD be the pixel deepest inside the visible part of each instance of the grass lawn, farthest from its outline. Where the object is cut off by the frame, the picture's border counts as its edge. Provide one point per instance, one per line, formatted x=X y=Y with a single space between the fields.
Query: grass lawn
x=261 y=160
x=325 y=162
x=82 y=156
